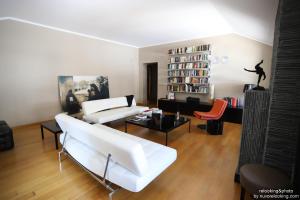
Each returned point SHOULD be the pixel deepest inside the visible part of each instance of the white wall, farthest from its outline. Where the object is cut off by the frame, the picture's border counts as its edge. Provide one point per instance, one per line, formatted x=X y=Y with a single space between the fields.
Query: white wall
x=228 y=77
x=31 y=58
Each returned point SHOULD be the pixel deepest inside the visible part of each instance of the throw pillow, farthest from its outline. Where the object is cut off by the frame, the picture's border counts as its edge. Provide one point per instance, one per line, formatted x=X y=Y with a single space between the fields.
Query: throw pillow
x=129 y=99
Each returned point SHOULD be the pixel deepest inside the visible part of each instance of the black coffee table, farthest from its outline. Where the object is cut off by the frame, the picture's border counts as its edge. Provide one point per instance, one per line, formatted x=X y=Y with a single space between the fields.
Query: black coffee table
x=166 y=124
x=53 y=127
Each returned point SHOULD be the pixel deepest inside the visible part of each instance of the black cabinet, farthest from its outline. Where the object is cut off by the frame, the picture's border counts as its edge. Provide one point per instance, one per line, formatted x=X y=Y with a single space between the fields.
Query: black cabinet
x=233 y=115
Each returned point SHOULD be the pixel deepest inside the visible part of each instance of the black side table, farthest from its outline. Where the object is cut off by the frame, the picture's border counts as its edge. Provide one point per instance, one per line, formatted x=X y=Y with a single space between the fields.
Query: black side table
x=53 y=127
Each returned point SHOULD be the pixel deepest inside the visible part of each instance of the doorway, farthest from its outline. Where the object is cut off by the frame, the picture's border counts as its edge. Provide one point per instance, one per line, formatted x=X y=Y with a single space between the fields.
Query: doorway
x=151 y=84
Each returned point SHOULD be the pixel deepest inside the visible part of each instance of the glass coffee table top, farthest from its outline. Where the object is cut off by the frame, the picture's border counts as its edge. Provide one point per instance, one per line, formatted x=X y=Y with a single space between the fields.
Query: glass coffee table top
x=165 y=124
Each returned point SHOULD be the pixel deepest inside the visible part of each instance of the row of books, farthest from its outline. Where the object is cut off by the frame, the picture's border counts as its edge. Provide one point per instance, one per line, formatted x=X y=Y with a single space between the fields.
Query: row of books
x=197 y=89
x=193 y=80
x=191 y=65
x=234 y=102
x=176 y=88
x=189 y=58
x=200 y=72
x=192 y=49
x=188 y=89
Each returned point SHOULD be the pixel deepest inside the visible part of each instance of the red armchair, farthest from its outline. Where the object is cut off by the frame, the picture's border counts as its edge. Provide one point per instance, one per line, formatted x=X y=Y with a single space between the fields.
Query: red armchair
x=213 y=117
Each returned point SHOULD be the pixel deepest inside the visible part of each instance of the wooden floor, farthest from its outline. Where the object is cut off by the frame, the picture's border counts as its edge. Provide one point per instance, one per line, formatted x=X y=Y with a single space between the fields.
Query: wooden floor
x=204 y=168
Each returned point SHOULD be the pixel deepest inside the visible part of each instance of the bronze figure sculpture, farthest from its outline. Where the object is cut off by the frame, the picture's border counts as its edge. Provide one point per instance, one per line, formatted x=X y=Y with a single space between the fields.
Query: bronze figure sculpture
x=260 y=71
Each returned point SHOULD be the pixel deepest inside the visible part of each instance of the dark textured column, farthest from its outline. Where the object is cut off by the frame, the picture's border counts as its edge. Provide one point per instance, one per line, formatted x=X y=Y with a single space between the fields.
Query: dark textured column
x=255 y=117
x=284 y=115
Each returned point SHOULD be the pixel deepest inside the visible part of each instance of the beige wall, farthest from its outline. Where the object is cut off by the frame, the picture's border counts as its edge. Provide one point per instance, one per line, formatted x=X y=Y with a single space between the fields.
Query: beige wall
x=228 y=77
x=31 y=58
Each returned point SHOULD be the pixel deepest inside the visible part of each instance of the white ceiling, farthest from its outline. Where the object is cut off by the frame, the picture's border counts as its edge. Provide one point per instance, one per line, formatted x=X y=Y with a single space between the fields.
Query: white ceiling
x=143 y=23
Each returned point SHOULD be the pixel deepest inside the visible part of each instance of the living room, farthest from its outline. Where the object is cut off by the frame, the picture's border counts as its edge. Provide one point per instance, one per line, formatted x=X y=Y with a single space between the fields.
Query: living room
x=192 y=99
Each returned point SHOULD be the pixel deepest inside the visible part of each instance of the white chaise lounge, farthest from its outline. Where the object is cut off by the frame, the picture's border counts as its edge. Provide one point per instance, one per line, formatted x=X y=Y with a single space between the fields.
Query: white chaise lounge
x=131 y=162
x=107 y=110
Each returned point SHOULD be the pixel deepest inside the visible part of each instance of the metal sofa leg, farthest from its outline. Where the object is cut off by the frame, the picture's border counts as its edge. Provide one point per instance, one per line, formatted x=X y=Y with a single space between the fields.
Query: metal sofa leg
x=112 y=193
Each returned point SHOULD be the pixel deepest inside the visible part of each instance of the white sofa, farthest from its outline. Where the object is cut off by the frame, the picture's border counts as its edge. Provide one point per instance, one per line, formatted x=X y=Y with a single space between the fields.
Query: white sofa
x=134 y=162
x=107 y=110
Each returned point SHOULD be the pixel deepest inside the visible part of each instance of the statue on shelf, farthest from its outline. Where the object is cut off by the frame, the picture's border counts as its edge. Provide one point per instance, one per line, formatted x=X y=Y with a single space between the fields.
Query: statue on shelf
x=260 y=71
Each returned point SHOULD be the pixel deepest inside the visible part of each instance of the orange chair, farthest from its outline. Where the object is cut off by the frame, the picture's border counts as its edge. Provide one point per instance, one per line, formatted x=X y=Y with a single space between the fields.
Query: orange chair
x=214 y=117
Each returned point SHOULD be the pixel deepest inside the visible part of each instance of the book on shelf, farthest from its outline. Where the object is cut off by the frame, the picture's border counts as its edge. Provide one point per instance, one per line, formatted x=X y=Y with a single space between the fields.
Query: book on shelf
x=188 y=65
x=187 y=79
x=191 y=49
x=189 y=69
x=195 y=80
x=189 y=58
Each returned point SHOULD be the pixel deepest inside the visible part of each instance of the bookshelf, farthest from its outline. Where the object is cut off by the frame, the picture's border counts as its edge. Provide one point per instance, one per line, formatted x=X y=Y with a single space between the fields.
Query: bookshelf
x=189 y=69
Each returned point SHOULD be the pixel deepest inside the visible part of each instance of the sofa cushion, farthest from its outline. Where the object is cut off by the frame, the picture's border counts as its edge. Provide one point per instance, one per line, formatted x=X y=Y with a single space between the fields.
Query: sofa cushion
x=133 y=102
x=158 y=157
x=90 y=107
x=126 y=152
x=114 y=114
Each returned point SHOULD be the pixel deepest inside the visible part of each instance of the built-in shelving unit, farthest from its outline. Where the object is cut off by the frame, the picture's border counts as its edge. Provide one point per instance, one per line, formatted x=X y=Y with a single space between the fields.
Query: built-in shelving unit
x=189 y=69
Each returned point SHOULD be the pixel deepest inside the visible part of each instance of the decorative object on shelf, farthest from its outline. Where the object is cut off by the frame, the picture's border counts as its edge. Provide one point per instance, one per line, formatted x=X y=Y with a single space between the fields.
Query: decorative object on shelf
x=171 y=95
x=189 y=69
x=224 y=59
x=260 y=71
x=219 y=59
x=73 y=90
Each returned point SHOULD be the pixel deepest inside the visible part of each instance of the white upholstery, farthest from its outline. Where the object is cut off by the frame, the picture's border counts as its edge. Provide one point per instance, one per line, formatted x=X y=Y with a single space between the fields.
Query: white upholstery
x=90 y=107
x=114 y=114
x=136 y=161
x=133 y=102
x=128 y=153
x=106 y=110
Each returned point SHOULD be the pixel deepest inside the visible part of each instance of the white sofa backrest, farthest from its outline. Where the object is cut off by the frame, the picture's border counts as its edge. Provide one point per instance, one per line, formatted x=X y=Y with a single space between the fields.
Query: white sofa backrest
x=126 y=152
x=133 y=102
x=90 y=107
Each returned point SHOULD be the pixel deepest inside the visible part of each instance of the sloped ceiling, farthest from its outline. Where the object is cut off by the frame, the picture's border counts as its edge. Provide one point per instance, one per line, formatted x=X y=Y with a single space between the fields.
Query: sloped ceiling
x=143 y=23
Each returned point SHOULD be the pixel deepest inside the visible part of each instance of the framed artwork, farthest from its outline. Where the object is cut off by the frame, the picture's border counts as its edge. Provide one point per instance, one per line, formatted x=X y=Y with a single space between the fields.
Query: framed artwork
x=73 y=90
